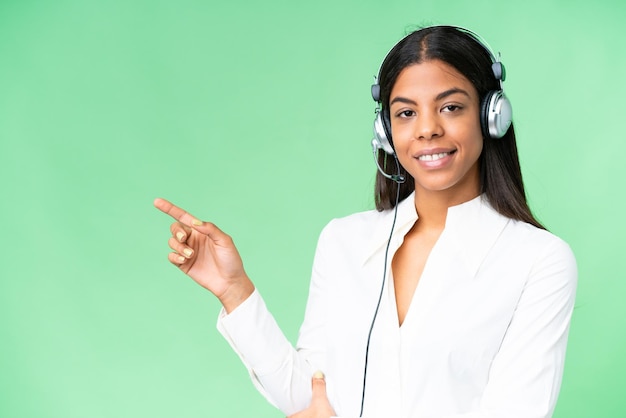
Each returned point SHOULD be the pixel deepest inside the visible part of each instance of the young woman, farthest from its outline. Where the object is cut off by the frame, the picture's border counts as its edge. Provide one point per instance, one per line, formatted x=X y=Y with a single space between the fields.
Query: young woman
x=450 y=300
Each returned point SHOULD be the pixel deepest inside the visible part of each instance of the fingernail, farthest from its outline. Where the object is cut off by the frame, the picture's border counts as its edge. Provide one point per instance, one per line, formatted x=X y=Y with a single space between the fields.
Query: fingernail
x=181 y=259
x=196 y=222
x=188 y=252
x=180 y=236
x=318 y=375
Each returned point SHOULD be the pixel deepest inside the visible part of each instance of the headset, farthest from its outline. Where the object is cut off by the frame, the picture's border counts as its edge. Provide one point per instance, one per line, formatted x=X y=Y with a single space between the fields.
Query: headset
x=495 y=114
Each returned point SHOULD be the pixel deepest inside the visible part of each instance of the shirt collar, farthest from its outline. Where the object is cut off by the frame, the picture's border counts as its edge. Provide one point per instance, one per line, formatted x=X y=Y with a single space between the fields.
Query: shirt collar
x=406 y=217
x=471 y=228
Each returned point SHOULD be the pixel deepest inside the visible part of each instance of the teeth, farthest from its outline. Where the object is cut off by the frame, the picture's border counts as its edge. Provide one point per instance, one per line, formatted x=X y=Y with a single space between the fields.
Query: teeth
x=432 y=157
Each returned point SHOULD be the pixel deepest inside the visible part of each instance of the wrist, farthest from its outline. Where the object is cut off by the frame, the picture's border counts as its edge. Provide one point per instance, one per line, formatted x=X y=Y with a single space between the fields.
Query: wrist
x=236 y=294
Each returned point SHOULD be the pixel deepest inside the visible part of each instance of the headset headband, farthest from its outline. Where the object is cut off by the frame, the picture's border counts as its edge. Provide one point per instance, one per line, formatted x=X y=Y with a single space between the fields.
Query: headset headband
x=497 y=67
x=495 y=113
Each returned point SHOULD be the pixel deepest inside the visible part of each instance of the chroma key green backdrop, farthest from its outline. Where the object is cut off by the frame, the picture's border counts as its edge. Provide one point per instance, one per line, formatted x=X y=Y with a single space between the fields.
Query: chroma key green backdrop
x=257 y=116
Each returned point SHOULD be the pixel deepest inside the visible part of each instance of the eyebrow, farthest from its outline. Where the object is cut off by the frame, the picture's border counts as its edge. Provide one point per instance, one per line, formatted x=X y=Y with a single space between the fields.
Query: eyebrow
x=450 y=92
x=440 y=96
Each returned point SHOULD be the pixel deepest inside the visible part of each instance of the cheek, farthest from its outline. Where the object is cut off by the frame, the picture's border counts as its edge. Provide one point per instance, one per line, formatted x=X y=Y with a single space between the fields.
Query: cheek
x=479 y=141
x=398 y=133
x=470 y=136
x=402 y=135
x=474 y=148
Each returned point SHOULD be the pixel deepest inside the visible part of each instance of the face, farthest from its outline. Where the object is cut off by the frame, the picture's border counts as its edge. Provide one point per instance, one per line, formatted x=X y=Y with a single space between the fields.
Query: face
x=436 y=131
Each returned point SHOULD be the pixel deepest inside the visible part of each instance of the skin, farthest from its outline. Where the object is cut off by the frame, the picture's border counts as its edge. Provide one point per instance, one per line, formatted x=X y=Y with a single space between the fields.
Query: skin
x=319 y=407
x=433 y=109
x=207 y=255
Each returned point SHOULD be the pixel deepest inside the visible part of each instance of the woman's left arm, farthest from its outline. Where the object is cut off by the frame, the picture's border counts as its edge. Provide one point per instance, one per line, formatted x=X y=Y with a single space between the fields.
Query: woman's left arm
x=525 y=376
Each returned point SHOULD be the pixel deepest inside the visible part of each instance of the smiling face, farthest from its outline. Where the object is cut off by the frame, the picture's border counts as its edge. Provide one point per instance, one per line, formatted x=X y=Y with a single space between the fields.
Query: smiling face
x=435 y=126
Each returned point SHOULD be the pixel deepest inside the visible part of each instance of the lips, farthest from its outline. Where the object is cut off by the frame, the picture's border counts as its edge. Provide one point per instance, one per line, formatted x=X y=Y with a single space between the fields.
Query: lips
x=433 y=155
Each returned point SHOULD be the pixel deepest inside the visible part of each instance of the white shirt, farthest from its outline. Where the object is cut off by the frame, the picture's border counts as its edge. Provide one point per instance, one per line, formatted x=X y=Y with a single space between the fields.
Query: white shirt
x=484 y=336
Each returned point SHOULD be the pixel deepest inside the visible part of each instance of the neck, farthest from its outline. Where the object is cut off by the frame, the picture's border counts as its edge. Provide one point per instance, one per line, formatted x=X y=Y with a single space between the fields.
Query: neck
x=432 y=207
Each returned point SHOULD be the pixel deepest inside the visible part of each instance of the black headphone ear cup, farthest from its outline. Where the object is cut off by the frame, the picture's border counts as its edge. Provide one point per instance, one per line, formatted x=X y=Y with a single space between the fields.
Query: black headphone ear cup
x=484 y=114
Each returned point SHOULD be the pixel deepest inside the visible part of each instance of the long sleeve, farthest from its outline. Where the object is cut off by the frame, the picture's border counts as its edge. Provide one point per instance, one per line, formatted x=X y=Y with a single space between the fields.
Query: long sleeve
x=280 y=372
x=525 y=376
x=276 y=369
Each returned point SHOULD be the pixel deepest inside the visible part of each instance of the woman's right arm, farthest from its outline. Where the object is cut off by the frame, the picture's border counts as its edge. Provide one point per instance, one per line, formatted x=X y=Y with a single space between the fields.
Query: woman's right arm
x=209 y=256
x=280 y=372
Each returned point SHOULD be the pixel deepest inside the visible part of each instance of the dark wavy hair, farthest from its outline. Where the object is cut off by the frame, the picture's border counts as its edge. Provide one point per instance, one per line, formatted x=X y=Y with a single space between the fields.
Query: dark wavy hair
x=500 y=173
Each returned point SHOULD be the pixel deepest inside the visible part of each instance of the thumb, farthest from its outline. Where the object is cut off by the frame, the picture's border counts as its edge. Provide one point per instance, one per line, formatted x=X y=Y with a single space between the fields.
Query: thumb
x=318 y=386
x=218 y=236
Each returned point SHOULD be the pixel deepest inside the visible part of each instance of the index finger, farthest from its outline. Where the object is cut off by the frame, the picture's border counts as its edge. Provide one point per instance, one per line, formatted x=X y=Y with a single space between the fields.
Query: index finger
x=174 y=211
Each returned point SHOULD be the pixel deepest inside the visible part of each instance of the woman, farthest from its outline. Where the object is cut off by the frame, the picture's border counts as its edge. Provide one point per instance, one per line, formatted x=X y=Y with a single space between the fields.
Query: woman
x=476 y=298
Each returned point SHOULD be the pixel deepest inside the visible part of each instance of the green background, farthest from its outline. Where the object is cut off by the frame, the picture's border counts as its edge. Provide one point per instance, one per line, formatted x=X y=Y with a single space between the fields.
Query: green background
x=257 y=116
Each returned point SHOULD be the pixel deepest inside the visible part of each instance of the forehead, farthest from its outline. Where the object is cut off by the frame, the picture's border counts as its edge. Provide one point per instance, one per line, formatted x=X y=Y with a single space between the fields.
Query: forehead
x=429 y=78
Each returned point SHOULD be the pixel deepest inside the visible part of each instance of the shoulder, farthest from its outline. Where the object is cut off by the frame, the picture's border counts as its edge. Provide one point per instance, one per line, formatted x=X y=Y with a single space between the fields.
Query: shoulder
x=511 y=247
x=357 y=235
x=521 y=238
x=360 y=225
x=343 y=240
x=538 y=240
x=548 y=254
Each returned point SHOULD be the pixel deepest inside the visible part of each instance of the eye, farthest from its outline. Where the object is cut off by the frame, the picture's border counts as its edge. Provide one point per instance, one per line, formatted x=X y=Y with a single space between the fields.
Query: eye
x=451 y=108
x=405 y=114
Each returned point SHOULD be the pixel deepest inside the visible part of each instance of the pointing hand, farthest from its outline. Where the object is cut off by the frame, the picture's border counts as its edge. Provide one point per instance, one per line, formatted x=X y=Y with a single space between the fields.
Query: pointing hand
x=207 y=255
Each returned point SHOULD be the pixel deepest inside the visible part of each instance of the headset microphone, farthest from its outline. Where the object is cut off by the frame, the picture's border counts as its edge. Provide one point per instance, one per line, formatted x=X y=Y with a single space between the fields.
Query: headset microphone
x=398 y=178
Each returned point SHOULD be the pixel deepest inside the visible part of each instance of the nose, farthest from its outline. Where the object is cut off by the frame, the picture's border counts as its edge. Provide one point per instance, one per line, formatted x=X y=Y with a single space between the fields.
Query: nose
x=428 y=126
